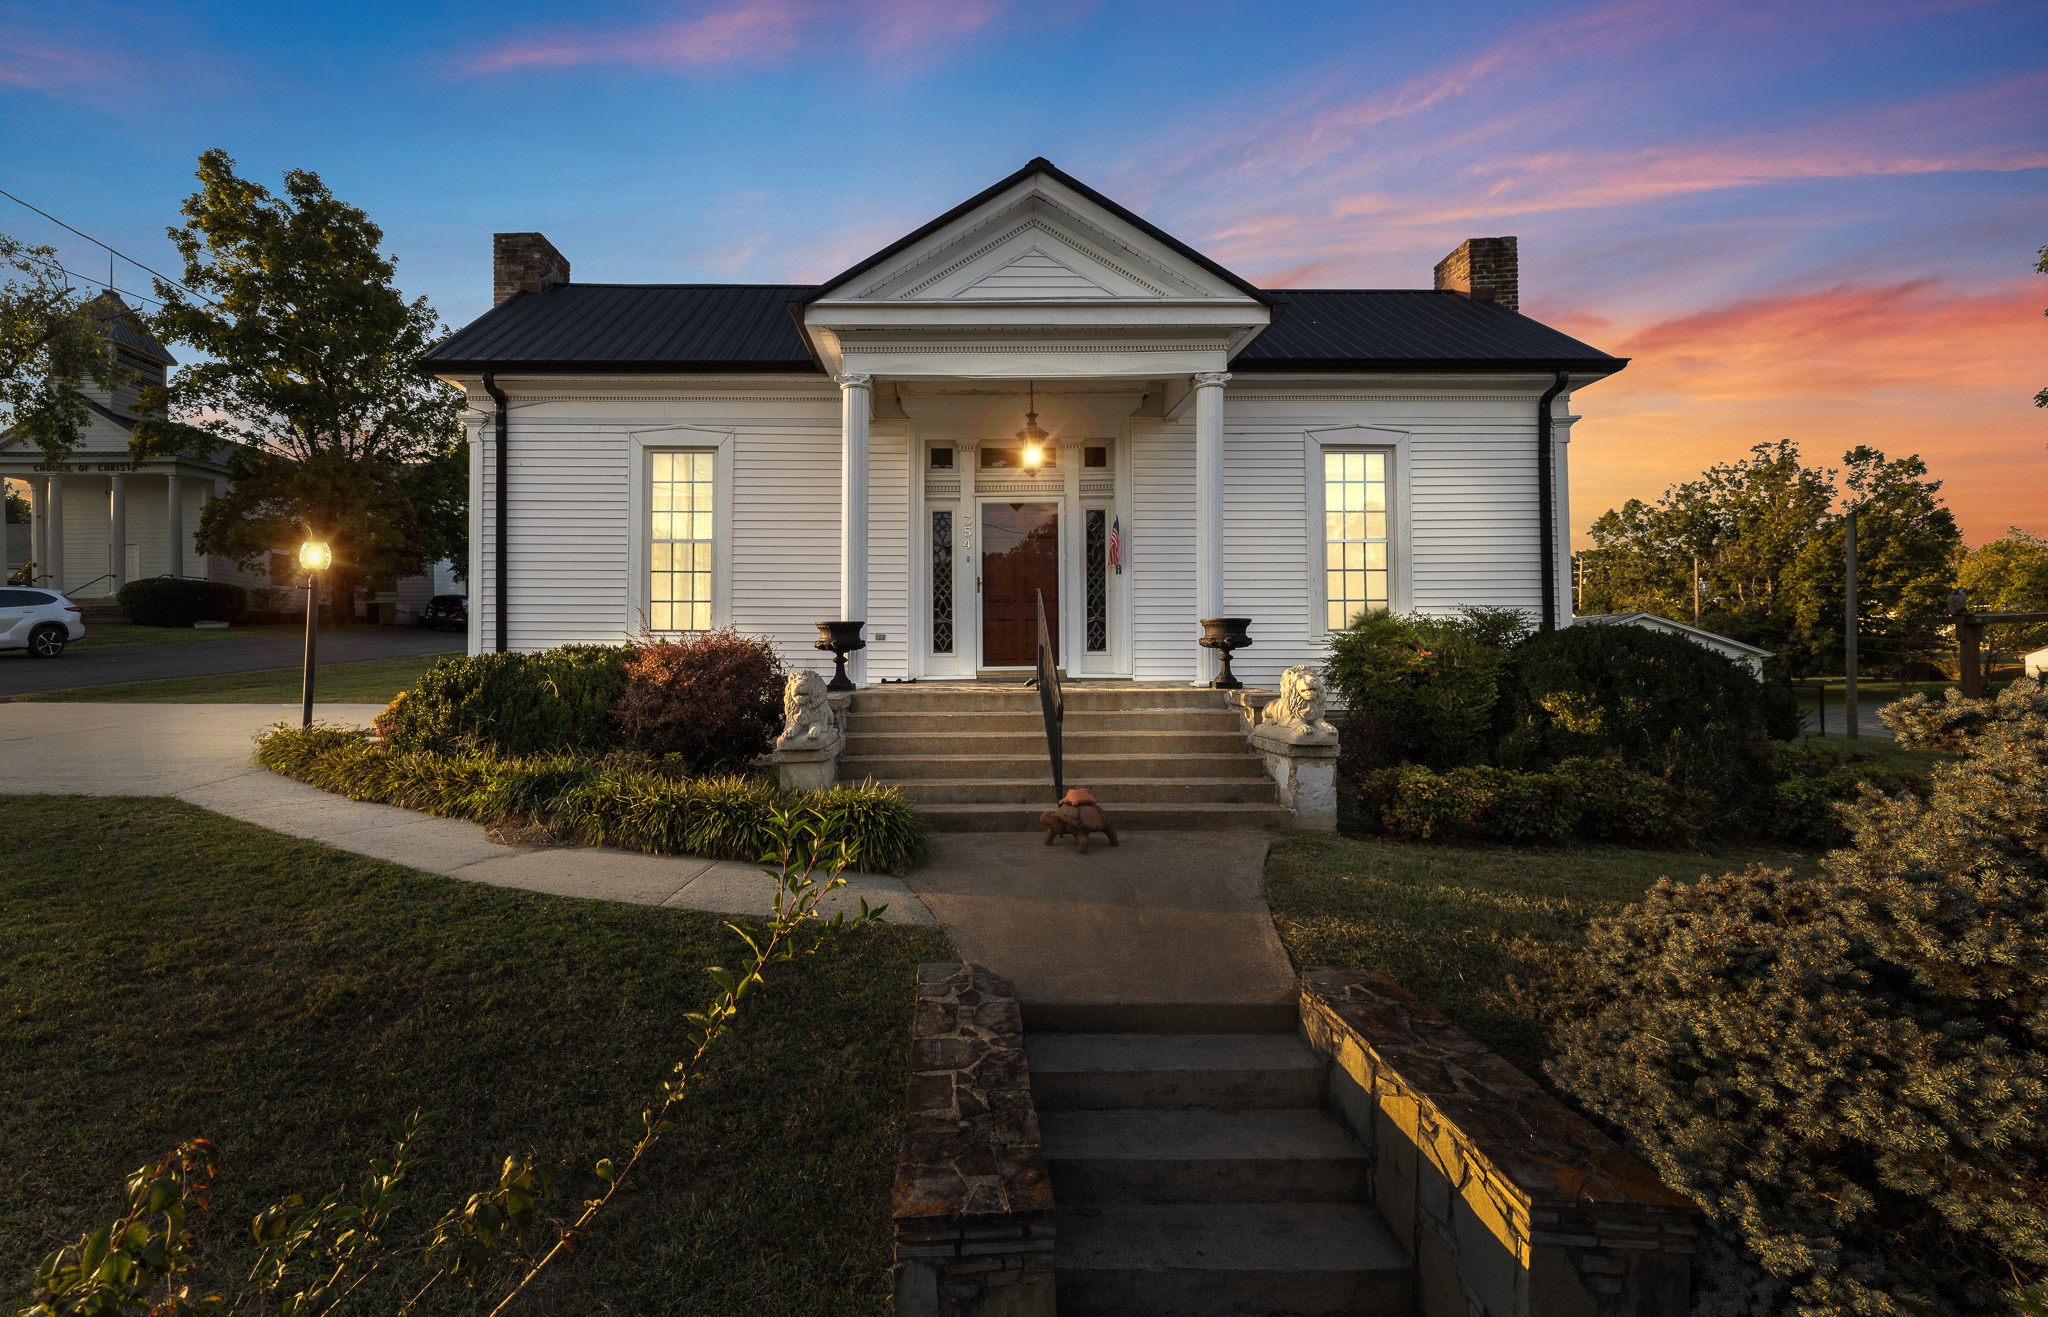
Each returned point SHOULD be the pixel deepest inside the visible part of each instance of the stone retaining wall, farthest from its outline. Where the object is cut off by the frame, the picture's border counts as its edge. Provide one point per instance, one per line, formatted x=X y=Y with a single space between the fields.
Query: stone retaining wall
x=972 y=1207
x=1510 y=1204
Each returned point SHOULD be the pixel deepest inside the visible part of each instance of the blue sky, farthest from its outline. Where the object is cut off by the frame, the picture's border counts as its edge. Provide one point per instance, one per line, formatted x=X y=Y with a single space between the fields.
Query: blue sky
x=1812 y=220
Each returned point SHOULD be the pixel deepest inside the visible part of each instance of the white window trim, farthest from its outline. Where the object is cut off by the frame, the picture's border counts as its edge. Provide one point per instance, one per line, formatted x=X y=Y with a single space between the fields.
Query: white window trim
x=1400 y=545
x=640 y=506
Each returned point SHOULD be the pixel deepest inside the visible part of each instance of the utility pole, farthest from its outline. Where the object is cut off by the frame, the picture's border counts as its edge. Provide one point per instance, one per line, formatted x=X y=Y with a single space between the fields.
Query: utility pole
x=1579 y=587
x=1695 y=588
x=1849 y=628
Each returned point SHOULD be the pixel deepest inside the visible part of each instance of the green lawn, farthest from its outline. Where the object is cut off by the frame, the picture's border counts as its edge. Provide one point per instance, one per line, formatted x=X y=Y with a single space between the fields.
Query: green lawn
x=126 y=635
x=1915 y=761
x=166 y=972
x=1468 y=928
x=372 y=681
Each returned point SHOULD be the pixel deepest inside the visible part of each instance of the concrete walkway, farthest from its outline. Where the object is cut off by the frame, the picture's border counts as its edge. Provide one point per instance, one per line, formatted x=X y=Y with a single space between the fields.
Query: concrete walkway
x=200 y=753
x=1167 y=933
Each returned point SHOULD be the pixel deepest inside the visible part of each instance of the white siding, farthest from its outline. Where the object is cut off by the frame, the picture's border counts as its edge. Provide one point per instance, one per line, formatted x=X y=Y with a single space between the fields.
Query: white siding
x=785 y=536
x=1265 y=551
x=1159 y=553
x=888 y=551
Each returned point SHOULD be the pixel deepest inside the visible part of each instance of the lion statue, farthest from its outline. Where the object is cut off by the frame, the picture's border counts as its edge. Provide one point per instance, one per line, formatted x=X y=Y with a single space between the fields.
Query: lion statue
x=807 y=721
x=1297 y=713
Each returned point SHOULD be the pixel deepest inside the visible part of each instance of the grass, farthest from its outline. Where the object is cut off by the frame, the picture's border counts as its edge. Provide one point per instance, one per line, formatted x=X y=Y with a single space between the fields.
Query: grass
x=166 y=972
x=126 y=635
x=1913 y=761
x=371 y=681
x=1471 y=929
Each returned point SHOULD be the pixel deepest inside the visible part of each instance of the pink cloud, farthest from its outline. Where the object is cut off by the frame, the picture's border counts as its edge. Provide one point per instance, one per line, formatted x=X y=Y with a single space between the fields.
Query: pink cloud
x=48 y=66
x=748 y=32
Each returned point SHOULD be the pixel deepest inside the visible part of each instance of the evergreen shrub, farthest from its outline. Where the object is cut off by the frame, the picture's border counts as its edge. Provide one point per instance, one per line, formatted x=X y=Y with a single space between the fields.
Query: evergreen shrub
x=632 y=801
x=1582 y=799
x=1419 y=690
x=176 y=601
x=1813 y=783
x=1660 y=702
x=1849 y=1071
x=714 y=700
x=513 y=704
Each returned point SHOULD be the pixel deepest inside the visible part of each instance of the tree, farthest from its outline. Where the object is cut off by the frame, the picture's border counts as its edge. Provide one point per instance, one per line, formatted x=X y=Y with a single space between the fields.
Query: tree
x=18 y=512
x=307 y=378
x=1907 y=551
x=50 y=350
x=1742 y=525
x=2010 y=575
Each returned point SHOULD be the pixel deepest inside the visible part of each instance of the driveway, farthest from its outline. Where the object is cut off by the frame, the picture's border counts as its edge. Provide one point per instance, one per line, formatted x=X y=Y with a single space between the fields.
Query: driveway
x=247 y=652
x=200 y=753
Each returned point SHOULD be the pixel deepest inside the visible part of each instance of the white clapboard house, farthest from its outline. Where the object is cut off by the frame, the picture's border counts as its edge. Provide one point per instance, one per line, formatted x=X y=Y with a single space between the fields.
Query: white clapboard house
x=668 y=457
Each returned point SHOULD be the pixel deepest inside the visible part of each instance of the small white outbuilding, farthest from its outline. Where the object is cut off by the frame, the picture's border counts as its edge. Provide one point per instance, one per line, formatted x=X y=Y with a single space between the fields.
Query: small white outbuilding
x=1749 y=656
x=2036 y=663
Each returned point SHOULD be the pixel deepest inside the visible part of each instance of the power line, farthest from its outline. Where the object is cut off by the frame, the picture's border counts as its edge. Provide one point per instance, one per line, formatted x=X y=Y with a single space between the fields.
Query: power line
x=109 y=285
x=108 y=246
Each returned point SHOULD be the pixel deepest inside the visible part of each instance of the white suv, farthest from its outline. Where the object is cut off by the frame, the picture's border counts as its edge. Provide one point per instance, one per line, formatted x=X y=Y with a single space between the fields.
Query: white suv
x=42 y=622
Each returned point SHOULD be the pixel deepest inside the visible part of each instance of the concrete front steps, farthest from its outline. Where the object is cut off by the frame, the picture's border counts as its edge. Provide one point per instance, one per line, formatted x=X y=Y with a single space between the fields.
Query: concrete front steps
x=1199 y=1174
x=972 y=756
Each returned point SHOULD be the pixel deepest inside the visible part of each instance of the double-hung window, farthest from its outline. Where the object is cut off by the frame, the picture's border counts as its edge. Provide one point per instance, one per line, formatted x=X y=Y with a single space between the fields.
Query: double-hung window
x=680 y=551
x=1355 y=535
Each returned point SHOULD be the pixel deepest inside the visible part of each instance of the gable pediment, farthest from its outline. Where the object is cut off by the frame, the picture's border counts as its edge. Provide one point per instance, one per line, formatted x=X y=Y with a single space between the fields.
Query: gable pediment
x=1038 y=241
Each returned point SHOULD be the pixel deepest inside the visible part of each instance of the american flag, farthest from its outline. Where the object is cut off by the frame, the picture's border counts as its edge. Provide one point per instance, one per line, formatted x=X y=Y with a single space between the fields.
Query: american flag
x=1116 y=545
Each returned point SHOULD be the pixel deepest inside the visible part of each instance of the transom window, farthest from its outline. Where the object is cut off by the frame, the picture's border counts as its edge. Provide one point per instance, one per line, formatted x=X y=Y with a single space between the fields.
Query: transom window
x=1355 y=534
x=679 y=597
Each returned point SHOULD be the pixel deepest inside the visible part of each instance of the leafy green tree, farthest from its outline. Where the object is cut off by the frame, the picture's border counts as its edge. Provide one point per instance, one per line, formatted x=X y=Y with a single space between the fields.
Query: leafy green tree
x=2010 y=575
x=50 y=350
x=307 y=378
x=1742 y=523
x=1907 y=552
x=18 y=511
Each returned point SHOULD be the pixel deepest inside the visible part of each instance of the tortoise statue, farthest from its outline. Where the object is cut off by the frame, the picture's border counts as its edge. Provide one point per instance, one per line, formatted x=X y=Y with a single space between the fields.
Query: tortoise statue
x=1077 y=815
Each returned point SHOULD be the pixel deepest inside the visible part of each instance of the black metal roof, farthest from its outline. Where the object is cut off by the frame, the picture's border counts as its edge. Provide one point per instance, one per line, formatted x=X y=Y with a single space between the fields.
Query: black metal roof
x=583 y=328
x=1353 y=329
x=753 y=328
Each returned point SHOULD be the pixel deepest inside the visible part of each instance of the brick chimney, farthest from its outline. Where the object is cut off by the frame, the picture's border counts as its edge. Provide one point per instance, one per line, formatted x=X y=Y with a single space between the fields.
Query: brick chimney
x=524 y=263
x=1484 y=269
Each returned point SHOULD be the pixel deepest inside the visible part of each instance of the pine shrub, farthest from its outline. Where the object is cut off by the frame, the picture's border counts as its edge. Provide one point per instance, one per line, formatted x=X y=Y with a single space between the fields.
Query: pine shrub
x=713 y=700
x=513 y=704
x=1849 y=1072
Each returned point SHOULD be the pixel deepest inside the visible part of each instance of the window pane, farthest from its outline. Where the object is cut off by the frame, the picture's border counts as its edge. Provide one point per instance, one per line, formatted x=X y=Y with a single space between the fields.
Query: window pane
x=680 y=549
x=1375 y=466
x=1355 y=496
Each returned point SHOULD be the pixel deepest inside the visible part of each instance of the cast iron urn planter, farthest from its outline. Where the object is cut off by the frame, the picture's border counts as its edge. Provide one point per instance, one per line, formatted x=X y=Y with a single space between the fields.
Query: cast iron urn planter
x=1224 y=634
x=842 y=638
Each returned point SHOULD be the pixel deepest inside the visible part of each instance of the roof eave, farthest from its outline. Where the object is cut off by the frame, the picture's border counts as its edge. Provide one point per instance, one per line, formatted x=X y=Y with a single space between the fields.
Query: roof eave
x=515 y=367
x=1598 y=367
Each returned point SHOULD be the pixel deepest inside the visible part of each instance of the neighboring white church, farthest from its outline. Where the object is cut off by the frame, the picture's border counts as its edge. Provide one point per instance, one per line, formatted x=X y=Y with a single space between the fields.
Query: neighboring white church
x=666 y=457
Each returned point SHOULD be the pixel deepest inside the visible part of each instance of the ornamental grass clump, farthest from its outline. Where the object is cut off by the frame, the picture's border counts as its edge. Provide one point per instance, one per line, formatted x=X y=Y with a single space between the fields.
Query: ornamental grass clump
x=623 y=799
x=1849 y=1072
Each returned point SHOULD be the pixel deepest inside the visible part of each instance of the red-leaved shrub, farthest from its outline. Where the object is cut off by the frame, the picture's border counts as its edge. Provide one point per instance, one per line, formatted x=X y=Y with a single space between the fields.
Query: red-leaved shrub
x=713 y=699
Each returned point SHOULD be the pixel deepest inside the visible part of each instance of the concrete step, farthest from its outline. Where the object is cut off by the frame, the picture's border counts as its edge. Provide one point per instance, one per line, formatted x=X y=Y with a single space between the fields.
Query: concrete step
x=1083 y=769
x=1300 y=1259
x=1112 y=792
x=1147 y=745
x=1128 y=817
x=1032 y=723
x=1214 y=1072
x=1116 y=1157
x=1004 y=697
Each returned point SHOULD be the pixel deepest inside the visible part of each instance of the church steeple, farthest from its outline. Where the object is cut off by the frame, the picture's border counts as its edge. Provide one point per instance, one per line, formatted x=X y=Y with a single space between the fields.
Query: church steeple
x=142 y=359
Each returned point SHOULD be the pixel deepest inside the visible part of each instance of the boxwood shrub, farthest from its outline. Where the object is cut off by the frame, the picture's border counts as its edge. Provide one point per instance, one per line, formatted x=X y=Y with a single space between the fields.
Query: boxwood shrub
x=1660 y=702
x=514 y=704
x=176 y=601
x=626 y=800
x=1419 y=689
x=1583 y=799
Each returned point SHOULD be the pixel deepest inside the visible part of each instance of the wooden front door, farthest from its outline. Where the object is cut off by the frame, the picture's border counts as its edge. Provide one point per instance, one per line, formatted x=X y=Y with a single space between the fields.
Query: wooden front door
x=1020 y=559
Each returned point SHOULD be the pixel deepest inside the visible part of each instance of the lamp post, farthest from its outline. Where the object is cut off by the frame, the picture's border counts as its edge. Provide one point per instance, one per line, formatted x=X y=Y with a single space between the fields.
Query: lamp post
x=315 y=557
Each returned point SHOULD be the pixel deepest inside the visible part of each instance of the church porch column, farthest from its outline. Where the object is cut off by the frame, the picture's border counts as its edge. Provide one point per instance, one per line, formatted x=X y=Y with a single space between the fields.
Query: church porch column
x=855 y=394
x=175 y=493
x=117 y=518
x=53 y=531
x=1208 y=512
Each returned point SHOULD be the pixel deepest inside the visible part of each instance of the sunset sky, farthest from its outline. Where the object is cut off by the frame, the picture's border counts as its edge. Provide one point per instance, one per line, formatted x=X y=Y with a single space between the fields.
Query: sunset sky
x=1808 y=220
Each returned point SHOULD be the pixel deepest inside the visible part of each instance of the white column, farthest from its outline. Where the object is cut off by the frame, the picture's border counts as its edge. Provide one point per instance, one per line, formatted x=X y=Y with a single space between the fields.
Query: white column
x=1208 y=511
x=855 y=392
x=38 y=526
x=117 y=518
x=175 y=493
x=53 y=532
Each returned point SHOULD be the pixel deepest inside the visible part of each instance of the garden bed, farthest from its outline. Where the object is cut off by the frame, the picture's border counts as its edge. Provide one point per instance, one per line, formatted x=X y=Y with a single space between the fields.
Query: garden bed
x=632 y=801
x=165 y=972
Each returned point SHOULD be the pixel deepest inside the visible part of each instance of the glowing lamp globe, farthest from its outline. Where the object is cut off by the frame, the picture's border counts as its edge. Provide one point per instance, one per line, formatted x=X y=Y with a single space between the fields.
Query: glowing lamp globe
x=316 y=556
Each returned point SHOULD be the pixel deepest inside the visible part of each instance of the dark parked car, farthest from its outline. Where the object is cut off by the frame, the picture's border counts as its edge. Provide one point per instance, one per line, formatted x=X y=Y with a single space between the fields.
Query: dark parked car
x=446 y=610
